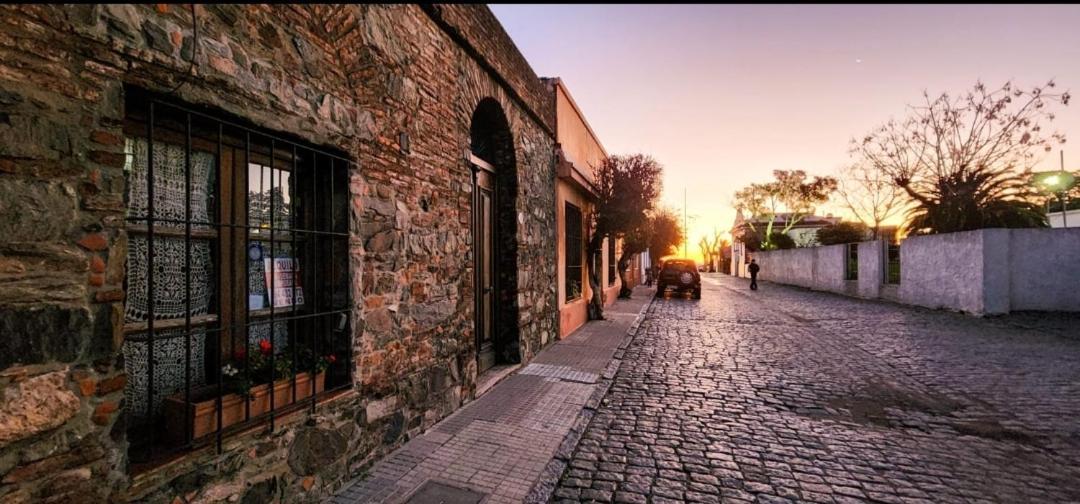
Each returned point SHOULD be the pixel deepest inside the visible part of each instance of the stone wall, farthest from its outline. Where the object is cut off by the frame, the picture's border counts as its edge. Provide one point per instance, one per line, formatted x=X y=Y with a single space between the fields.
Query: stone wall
x=351 y=78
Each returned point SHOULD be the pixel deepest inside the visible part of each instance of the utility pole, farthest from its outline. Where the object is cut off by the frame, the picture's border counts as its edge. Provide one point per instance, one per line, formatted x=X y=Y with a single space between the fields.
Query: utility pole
x=686 y=230
x=1064 y=197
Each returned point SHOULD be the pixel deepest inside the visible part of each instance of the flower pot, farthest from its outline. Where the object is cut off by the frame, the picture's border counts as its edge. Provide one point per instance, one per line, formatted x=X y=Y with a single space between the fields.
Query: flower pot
x=201 y=413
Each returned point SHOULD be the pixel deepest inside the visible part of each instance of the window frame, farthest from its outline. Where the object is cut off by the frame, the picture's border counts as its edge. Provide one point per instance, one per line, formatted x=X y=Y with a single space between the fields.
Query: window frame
x=228 y=229
x=612 y=269
x=891 y=249
x=574 y=262
x=851 y=262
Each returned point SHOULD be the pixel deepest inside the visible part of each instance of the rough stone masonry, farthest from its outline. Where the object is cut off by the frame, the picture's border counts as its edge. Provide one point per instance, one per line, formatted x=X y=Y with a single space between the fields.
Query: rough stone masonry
x=350 y=78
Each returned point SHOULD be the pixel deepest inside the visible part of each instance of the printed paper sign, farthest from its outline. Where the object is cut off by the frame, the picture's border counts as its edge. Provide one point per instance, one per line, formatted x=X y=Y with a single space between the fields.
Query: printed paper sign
x=284 y=282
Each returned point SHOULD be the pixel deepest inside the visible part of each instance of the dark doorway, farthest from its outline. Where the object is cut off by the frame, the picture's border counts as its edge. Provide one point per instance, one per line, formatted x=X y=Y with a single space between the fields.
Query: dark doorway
x=494 y=236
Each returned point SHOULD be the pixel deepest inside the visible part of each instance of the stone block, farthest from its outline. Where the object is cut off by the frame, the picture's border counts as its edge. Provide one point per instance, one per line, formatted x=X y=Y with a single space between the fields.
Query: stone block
x=34 y=335
x=382 y=407
x=35 y=211
x=36 y=405
x=314 y=449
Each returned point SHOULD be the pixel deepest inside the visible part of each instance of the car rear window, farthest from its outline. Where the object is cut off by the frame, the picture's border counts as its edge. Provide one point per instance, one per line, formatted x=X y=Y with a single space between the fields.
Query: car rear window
x=679 y=266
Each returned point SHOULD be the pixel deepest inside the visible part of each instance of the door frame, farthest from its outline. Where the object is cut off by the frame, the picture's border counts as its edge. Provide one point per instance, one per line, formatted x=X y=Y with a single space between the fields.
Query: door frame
x=478 y=164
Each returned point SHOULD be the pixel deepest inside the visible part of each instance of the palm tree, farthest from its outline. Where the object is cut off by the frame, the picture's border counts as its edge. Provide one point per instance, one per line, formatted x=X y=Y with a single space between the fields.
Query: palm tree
x=975 y=199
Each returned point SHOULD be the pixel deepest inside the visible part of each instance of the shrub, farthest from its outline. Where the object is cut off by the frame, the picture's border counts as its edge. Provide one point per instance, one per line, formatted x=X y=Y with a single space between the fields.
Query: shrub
x=781 y=241
x=843 y=232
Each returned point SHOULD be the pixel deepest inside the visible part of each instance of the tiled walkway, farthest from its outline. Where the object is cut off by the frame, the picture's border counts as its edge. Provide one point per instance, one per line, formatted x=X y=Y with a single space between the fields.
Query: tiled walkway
x=496 y=448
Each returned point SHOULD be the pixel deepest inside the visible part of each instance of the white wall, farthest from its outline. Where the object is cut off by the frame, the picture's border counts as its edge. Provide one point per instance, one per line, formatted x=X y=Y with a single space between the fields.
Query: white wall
x=983 y=272
x=871 y=272
x=819 y=268
x=943 y=271
x=1044 y=269
x=1059 y=220
x=792 y=266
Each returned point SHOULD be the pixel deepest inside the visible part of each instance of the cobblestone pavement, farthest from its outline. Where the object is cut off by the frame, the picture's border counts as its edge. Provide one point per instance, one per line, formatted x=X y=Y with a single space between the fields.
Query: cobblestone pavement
x=787 y=395
x=495 y=449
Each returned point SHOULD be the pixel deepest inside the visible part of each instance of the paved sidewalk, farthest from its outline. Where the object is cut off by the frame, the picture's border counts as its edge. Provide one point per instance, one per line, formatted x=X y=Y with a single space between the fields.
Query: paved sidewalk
x=499 y=447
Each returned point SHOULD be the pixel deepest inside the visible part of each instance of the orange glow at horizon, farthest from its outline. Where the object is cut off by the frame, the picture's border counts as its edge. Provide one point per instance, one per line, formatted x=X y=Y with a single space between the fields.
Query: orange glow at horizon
x=722 y=95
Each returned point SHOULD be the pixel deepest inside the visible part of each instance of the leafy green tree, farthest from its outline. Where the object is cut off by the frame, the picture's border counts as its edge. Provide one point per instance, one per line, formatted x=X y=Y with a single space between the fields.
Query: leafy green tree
x=963 y=160
x=627 y=190
x=667 y=234
x=783 y=241
x=843 y=232
x=791 y=193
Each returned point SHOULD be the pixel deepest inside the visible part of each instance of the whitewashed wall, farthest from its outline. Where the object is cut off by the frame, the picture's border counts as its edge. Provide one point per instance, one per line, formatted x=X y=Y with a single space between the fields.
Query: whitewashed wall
x=818 y=268
x=871 y=271
x=944 y=270
x=983 y=272
x=1044 y=269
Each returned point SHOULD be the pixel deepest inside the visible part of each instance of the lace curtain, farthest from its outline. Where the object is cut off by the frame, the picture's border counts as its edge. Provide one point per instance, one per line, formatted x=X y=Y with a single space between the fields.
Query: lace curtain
x=170 y=299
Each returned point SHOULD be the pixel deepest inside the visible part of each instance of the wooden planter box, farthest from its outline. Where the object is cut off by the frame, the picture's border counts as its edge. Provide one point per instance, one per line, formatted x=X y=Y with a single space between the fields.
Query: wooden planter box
x=201 y=414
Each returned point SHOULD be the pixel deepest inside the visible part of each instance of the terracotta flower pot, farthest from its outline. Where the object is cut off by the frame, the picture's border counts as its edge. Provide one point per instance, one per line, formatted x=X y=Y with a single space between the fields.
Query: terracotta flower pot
x=201 y=414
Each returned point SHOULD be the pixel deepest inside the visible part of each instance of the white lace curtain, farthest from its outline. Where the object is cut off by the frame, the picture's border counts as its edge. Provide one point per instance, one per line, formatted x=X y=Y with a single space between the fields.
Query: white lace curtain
x=170 y=300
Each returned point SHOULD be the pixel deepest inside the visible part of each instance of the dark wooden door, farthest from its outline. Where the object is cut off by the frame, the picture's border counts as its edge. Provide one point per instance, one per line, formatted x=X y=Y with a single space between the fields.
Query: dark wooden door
x=484 y=241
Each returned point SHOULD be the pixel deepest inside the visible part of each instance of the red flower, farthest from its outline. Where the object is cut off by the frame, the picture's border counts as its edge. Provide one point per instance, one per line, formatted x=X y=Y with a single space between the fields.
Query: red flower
x=332 y=358
x=240 y=354
x=264 y=347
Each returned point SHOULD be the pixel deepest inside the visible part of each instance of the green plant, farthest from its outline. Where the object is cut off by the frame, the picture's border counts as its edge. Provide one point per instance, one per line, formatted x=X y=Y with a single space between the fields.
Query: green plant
x=779 y=240
x=842 y=232
x=244 y=370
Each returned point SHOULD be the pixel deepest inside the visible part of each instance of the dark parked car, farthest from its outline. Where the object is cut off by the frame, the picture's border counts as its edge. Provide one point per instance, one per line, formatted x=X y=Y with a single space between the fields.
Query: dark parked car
x=680 y=275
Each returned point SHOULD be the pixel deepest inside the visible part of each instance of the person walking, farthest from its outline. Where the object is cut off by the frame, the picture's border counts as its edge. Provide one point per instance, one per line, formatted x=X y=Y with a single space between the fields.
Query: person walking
x=754 y=269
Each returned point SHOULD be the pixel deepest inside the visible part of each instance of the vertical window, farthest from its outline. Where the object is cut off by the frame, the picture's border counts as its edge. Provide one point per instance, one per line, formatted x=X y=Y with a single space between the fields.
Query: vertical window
x=236 y=276
x=574 y=252
x=851 y=264
x=611 y=268
x=892 y=263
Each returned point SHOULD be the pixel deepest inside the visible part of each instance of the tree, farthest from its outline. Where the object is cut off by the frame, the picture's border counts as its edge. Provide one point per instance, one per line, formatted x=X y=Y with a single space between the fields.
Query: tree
x=665 y=236
x=781 y=241
x=843 y=232
x=711 y=249
x=961 y=160
x=635 y=242
x=706 y=250
x=627 y=189
x=870 y=195
x=791 y=193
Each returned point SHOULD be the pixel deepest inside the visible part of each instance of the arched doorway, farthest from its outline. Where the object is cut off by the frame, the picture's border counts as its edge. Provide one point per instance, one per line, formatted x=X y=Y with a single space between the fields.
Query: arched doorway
x=494 y=228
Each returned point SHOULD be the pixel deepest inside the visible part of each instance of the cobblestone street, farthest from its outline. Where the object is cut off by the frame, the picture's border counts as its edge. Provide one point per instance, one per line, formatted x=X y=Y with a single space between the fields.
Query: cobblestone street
x=789 y=395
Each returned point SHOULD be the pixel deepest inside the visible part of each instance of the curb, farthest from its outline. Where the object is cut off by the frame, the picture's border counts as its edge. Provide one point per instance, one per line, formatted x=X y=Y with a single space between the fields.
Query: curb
x=544 y=488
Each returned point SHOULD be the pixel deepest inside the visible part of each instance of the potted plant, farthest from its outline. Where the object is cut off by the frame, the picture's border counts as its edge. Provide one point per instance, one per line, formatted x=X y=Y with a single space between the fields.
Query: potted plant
x=246 y=390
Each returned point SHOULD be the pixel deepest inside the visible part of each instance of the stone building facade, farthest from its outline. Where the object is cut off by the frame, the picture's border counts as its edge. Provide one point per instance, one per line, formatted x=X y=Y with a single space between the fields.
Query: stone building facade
x=402 y=97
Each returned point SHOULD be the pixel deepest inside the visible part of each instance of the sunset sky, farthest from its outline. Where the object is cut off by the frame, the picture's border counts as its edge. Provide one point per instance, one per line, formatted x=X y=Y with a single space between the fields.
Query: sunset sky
x=722 y=95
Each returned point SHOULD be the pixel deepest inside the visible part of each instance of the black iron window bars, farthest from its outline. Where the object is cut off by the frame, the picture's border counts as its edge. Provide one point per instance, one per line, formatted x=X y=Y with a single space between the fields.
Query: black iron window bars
x=574 y=251
x=237 y=298
x=611 y=269
x=851 y=262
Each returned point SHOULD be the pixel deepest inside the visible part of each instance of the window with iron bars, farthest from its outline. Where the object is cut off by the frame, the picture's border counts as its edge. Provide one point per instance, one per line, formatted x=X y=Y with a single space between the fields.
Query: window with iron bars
x=892 y=263
x=574 y=243
x=611 y=268
x=851 y=263
x=237 y=299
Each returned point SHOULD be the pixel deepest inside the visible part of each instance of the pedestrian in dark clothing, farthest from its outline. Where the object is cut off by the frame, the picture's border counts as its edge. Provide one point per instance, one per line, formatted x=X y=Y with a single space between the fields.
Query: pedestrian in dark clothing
x=754 y=268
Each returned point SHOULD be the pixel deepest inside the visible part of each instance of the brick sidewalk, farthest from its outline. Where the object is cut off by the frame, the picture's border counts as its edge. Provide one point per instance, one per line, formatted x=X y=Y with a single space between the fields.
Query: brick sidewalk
x=499 y=447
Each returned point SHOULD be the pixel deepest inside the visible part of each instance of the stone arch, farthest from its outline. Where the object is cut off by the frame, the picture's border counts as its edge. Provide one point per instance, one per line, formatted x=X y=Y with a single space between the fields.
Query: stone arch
x=492 y=140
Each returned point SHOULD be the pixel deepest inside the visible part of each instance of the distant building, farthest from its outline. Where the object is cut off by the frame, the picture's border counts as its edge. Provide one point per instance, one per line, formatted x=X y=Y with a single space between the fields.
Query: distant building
x=803 y=232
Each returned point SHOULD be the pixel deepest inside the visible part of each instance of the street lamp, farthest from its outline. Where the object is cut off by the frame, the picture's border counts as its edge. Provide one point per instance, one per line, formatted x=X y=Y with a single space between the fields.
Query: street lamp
x=1056 y=182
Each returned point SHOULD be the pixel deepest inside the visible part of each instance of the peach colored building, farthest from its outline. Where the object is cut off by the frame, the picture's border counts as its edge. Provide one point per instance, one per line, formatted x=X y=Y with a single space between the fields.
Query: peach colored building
x=578 y=154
